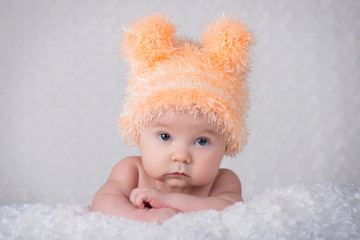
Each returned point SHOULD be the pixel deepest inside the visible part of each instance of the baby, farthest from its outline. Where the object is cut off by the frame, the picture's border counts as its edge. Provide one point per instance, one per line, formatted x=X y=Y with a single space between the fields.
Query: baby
x=185 y=109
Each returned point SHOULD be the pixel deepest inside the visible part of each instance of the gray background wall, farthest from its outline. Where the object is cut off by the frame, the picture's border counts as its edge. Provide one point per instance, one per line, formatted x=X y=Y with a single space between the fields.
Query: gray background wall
x=62 y=83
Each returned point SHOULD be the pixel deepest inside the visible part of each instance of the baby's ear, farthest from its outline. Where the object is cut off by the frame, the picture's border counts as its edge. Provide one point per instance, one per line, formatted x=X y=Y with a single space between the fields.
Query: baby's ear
x=148 y=40
x=226 y=43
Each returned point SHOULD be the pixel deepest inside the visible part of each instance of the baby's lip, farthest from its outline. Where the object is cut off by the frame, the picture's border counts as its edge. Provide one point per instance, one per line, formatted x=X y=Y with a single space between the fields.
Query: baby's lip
x=179 y=174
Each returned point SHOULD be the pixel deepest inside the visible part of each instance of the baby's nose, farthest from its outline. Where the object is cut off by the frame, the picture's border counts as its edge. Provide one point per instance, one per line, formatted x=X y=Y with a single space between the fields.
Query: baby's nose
x=181 y=155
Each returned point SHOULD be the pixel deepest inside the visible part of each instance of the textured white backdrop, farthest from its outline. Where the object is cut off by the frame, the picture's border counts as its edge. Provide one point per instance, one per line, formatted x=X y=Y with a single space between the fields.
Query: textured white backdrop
x=62 y=83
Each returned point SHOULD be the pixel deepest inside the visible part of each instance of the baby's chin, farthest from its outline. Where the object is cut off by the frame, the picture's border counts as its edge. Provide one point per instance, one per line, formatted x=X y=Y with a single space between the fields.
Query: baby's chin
x=177 y=184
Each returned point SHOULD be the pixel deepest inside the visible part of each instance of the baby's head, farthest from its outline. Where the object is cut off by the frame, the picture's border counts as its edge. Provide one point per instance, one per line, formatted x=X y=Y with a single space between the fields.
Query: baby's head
x=171 y=75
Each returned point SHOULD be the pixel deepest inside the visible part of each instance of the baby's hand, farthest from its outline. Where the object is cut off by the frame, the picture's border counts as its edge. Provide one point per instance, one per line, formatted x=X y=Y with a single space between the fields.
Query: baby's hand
x=156 y=198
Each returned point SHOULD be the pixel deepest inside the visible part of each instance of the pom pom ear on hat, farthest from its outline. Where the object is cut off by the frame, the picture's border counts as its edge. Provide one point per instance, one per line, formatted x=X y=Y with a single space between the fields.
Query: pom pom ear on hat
x=177 y=74
x=148 y=40
x=226 y=43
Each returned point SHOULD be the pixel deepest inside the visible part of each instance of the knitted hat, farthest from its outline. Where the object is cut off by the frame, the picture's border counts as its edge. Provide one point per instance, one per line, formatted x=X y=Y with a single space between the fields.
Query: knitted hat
x=170 y=74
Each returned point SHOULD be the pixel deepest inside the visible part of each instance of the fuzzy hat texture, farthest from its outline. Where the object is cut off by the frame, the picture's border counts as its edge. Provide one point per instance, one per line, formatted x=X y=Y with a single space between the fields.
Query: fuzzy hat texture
x=170 y=74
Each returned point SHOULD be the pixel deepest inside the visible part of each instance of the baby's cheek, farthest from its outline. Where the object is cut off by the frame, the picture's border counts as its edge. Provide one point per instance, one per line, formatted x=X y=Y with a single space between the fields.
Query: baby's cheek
x=152 y=168
x=206 y=173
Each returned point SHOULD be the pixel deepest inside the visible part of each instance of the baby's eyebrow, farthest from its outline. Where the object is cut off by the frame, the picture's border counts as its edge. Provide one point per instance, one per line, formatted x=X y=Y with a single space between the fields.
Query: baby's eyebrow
x=206 y=130
x=160 y=124
x=209 y=131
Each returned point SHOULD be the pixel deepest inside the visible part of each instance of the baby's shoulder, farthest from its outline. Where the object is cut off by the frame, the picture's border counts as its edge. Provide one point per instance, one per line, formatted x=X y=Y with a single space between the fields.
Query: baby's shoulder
x=131 y=160
x=227 y=175
x=224 y=172
x=226 y=180
x=127 y=165
x=132 y=168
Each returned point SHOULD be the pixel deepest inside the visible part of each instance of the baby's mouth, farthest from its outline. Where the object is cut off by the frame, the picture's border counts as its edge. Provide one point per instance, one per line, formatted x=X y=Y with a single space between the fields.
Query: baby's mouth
x=179 y=174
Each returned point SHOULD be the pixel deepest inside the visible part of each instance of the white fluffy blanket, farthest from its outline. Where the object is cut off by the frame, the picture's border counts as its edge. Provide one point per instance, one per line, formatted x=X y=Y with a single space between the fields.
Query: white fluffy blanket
x=321 y=211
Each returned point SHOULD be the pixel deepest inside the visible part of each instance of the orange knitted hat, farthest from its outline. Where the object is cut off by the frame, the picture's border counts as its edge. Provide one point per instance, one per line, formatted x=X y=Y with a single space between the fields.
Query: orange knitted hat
x=170 y=74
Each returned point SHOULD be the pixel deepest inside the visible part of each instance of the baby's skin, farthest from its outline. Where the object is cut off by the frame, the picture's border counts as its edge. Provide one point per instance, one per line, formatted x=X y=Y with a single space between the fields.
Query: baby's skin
x=178 y=171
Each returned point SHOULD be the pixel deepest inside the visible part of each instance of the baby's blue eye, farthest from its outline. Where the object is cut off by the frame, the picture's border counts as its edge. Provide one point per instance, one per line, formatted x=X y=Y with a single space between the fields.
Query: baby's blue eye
x=164 y=137
x=202 y=142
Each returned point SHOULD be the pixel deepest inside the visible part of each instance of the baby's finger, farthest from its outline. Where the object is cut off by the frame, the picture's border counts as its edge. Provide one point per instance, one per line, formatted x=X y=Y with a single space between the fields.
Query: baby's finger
x=135 y=199
x=132 y=196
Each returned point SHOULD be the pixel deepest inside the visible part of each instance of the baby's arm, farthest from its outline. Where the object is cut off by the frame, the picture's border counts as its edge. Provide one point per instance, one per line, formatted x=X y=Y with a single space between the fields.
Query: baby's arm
x=113 y=196
x=225 y=192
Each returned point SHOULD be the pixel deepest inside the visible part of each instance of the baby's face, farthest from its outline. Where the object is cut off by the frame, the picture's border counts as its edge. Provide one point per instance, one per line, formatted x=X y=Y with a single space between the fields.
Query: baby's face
x=182 y=151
